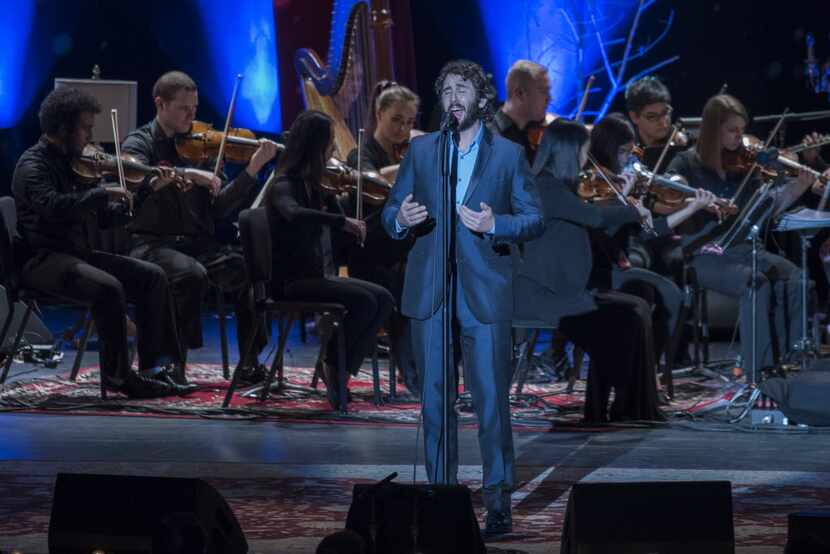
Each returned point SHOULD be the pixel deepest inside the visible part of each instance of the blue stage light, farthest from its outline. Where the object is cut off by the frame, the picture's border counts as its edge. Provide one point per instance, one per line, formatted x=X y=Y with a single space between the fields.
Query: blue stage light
x=17 y=78
x=242 y=38
x=558 y=34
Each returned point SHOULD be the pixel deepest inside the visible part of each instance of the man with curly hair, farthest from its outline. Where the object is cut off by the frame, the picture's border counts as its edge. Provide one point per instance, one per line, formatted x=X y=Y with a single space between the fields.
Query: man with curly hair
x=495 y=204
x=56 y=213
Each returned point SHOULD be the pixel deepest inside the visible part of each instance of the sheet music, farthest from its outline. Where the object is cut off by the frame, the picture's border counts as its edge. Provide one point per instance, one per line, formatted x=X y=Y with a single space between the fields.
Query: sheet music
x=802 y=219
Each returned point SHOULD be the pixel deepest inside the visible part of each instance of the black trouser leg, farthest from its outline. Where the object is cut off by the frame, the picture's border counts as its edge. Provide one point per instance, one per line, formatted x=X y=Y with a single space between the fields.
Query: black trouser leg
x=188 y=282
x=105 y=282
x=368 y=305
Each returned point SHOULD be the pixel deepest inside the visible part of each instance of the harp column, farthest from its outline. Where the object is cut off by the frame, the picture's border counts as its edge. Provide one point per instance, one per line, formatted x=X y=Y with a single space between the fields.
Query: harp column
x=384 y=53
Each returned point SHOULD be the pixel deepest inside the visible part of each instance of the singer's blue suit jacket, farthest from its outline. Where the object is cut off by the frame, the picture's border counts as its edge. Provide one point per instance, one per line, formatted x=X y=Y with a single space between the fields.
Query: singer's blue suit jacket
x=501 y=178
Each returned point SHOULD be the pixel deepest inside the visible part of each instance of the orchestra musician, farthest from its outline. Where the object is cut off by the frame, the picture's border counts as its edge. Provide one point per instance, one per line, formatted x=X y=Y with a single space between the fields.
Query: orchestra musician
x=554 y=283
x=648 y=102
x=381 y=259
x=729 y=271
x=612 y=142
x=302 y=216
x=496 y=204
x=528 y=96
x=56 y=215
x=174 y=227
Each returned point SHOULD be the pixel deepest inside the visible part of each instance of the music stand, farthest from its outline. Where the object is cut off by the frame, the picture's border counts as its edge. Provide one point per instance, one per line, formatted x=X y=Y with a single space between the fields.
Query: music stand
x=120 y=95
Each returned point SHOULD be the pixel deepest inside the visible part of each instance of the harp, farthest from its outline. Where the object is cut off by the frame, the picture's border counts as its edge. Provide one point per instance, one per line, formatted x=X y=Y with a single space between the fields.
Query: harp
x=360 y=54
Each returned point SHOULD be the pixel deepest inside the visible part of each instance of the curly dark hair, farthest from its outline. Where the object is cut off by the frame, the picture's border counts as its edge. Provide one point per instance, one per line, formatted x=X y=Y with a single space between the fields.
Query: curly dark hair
x=60 y=110
x=474 y=73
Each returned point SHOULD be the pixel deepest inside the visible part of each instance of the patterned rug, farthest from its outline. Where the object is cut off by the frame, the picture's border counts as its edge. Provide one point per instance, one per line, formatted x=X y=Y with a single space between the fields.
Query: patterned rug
x=539 y=406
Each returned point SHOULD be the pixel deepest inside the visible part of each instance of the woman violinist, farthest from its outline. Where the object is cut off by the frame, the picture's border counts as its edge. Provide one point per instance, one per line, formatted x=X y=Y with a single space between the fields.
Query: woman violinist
x=381 y=260
x=612 y=141
x=554 y=283
x=729 y=270
x=301 y=219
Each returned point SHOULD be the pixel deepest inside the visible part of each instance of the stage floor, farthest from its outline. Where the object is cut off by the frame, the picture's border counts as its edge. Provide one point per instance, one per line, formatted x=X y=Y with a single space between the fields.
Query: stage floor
x=290 y=483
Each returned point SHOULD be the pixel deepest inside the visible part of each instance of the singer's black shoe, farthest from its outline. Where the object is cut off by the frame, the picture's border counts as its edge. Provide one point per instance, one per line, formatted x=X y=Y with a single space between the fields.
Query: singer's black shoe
x=497 y=524
x=138 y=386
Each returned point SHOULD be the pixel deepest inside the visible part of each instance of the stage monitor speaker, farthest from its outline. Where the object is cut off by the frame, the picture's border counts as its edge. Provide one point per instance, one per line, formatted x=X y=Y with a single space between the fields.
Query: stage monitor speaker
x=438 y=519
x=649 y=518
x=137 y=515
x=808 y=533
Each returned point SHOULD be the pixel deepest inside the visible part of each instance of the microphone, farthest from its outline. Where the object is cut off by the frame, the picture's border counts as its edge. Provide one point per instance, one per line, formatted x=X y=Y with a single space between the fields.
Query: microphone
x=449 y=124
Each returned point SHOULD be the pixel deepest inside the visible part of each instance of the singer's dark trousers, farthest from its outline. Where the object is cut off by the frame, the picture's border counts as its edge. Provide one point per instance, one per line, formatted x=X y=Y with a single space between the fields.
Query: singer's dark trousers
x=485 y=351
x=778 y=321
x=106 y=282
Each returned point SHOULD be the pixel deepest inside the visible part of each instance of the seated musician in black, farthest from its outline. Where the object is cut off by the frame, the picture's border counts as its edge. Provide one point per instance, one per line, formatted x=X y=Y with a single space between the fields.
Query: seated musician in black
x=648 y=102
x=56 y=214
x=528 y=96
x=381 y=259
x=301 y=219
x=727 y=268
x=553 y=283
x=612 y=140
x=174 y=227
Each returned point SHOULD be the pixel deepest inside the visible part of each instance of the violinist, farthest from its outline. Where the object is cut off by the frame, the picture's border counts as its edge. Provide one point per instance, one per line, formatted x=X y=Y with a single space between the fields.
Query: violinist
x=391 y=125
x=55 y=217
x=381 y=259
x=528 y=96
x=648 y=102
x=302 y=218
x=612 y=140
x=174 y=227
x=729 y=270
x=554 y=283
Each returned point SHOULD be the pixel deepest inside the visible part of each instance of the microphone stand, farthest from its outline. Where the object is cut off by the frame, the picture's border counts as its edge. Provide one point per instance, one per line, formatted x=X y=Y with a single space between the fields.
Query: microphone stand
x=448 y=132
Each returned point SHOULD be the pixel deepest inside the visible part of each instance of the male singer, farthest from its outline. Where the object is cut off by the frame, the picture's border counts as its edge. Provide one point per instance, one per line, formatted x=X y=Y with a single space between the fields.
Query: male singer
x=495 y=203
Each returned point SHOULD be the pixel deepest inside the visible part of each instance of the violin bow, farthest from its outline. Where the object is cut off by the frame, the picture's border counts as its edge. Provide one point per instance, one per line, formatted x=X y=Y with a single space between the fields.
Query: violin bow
x=231 y=108
x=359 y=202
x=584 y=101
x=674 y=130
x=118 y=161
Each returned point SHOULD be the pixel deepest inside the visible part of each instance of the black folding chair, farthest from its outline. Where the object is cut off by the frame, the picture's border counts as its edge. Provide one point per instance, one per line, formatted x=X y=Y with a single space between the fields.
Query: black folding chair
x=10 y=280
x=255 y=236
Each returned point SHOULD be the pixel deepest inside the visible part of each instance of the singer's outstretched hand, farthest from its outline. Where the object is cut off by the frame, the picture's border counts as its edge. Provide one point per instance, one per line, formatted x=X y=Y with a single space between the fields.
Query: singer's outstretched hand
x=480 y=222
x=411 y=213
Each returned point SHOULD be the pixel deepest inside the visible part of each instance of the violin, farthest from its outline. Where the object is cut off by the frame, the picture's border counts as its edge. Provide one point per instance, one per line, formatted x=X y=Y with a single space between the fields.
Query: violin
x=203 y=142
x=536 y=130
x=339 y=178
x=742 y=160
x=672 y=191
x=94 y=164
x=594 y=188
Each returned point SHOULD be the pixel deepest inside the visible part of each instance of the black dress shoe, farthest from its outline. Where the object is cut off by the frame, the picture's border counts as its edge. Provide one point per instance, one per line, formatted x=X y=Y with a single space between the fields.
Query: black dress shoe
x=251 y=375
x=138 y=386
x=174 y=377
x=496 y=524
